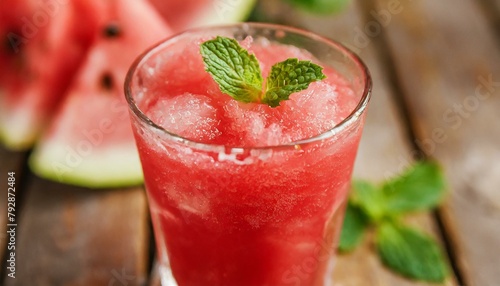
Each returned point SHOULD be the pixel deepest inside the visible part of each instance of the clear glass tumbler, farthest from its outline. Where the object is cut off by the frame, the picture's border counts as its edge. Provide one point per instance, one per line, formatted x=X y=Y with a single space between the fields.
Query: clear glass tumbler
x=226 y=215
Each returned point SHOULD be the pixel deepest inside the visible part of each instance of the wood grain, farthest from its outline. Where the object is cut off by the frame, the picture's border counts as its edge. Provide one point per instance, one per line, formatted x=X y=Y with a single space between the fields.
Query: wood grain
x=76 y=236
x=491 y=8
x=445 y=61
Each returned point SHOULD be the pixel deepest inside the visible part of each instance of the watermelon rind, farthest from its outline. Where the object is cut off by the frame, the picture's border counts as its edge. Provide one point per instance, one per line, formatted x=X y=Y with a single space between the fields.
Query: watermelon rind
x=64 y=164
x=17 y=132
x=224 y=12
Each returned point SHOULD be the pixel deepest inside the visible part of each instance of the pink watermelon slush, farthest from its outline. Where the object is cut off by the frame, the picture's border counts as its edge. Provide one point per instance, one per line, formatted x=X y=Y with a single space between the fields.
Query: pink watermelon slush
x=245 y=194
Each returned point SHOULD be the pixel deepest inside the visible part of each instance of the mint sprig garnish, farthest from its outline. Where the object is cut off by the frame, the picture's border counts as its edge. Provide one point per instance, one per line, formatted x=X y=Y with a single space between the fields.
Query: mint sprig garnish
x=405 y=250
x=238 y=73
x=288 y=77
x=235 y=70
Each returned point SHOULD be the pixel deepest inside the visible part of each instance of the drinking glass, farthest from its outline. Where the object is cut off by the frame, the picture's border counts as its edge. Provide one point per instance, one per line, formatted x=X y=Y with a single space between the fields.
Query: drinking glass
x=231 y=215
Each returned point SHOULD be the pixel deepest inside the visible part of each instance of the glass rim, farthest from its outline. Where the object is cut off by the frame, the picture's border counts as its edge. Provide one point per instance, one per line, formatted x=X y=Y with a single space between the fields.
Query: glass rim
x=353 y=116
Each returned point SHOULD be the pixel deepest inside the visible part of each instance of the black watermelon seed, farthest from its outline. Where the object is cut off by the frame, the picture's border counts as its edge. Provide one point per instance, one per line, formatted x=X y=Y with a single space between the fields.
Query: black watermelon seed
x=7 y=45
x=107 y=81
x=13 y=42
x=112 y=30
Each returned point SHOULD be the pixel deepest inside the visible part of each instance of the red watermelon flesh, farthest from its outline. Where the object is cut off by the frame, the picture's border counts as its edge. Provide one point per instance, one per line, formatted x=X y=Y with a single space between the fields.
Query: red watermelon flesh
x=90 y=141
x=179 y=13
x=43 y=45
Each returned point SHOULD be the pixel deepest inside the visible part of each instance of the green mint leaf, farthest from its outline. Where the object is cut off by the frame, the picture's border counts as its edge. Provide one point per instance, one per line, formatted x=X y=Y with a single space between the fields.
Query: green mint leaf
x=355 y=223
x=290 y=76
x=410 y=253
x=419 y=188
x=236 y=71
x=321 y=6
x=366 y=196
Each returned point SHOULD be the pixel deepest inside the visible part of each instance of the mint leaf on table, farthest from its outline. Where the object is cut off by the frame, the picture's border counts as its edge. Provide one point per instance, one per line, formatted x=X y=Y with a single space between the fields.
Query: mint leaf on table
x=410 y=252
x=404 y=250
x=368 y=197
x=320 y=6
x=418 y=188
x=290 y=76
x=235 y=70
x=355 y=223
x=238 y=74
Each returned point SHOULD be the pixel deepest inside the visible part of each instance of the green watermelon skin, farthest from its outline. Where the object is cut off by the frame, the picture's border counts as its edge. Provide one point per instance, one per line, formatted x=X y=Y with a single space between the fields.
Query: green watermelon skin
x=43 y=46
x=184 y=14
x=90 y=141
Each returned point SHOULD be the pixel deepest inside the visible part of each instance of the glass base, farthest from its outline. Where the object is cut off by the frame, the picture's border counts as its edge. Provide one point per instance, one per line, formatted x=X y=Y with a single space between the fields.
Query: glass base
x=163 y=275
x=314 y=270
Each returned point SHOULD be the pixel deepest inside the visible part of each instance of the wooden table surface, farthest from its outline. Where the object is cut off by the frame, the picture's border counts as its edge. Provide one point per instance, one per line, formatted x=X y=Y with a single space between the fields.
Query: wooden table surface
x=436 y=72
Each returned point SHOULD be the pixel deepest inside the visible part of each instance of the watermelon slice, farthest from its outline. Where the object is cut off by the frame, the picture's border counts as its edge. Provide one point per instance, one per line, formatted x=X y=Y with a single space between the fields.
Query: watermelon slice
x=72 y=64
x=90 y=142
x=182 y=14
x=42 y=45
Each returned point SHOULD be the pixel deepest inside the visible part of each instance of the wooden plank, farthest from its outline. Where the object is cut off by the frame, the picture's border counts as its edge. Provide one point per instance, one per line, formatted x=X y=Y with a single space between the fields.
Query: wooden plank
x=76 y=236
x=492 y=10
x=496 y=3
x=9 y=162
x=384 y=148
x=449 y=65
